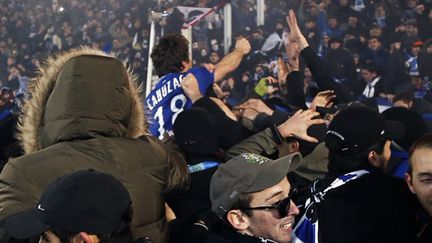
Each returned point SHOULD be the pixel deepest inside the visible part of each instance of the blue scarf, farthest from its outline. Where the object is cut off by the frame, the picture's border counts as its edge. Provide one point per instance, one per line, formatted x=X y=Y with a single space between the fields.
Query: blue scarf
x=307 y=230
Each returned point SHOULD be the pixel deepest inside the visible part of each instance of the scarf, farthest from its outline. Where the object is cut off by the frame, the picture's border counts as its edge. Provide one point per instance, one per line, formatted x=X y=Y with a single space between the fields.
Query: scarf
x=307 y=230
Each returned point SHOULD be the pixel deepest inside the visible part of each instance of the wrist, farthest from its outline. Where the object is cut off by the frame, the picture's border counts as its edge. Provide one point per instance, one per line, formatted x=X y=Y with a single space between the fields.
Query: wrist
x=277 y=136
x=270 y=112
x=239 y=51
x=294 y=65
x=295 y=68
x=284 y=132
x=303 y=44
x=195 y=97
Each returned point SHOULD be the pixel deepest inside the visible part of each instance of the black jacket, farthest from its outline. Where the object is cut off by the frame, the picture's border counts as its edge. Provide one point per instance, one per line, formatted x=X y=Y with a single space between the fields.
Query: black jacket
x=395 y=75
x=210 y=230
x=339 y=64
x=424 y=223
x=372 y=208
x=229 y=132
x=322 y=78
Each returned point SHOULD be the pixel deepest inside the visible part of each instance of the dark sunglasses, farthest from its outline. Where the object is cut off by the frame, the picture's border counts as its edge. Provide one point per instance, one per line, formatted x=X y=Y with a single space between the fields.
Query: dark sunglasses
x=282 y=206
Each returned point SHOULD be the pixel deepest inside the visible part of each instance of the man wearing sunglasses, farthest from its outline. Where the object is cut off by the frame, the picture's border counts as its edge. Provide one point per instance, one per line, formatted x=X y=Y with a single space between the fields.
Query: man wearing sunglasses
x=251 y=194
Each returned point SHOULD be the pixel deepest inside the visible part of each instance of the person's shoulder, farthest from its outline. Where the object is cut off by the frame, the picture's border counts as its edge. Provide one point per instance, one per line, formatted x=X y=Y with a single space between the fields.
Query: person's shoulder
x=380 y=179
x=154 y=143
x=422 y=106
x=28 y=162
x=385 y=186
x=373 y=184
x=198 y=70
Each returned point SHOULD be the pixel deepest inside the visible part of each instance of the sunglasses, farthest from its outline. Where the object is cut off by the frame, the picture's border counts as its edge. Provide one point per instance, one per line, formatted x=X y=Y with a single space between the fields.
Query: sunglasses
x=282 y=206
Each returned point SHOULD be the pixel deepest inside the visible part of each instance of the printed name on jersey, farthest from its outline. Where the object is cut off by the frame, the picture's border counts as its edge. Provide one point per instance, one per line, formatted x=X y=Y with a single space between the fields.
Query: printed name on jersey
x=162 y=92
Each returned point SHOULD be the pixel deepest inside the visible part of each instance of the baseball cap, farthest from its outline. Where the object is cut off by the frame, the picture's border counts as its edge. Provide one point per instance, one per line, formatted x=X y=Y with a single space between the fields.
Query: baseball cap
x=414 y=123
x=358 y=128
x=247 y=173
x=195 y=132
x=84 y=201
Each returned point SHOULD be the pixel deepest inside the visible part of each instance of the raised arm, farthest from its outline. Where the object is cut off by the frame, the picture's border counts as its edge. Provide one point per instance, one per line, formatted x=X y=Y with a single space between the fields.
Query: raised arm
x=323 y=80
x=267 y=141
x=231 y=61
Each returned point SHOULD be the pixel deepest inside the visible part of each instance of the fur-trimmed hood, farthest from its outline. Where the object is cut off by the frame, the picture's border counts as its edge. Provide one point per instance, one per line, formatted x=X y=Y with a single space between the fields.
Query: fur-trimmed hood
x=81 y=94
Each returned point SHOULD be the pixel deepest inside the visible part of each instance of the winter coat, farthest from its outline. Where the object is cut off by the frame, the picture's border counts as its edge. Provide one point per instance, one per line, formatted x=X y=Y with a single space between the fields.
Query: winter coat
x=86 y=113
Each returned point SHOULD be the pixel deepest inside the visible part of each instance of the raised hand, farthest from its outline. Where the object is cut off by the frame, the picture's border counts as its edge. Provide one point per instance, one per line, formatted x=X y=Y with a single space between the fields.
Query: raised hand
x=293 y=53
x=243 y=45
x=297 y=125
x=295 y=33
x=323 y=99
x=258 y=105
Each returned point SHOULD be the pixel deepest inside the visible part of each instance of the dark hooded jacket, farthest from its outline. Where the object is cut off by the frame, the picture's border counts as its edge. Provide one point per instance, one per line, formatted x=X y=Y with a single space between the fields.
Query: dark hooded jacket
x=86 y=112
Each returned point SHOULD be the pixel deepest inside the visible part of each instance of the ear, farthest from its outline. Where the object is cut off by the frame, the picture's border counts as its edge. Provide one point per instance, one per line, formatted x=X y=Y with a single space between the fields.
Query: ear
x=410 y=104
x=294 y=147
x=86 y=238
x=184 y=64
x=374 y=159
x=238 y=220
x=409 y=182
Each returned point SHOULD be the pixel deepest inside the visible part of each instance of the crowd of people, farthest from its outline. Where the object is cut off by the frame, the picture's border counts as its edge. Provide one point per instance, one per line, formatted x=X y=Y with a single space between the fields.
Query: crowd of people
x=313 y=128
x=349 y=36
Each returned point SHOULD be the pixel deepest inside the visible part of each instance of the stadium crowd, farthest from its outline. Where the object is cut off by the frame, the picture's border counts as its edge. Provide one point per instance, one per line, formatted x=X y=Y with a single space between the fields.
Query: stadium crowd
x=314 y=127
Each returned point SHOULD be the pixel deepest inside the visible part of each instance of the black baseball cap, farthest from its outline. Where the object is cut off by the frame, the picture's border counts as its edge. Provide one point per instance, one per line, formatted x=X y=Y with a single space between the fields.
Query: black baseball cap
x=357 y=128
x=195 y=131
x=414 y=123
x=247 y=173
x=84 y=201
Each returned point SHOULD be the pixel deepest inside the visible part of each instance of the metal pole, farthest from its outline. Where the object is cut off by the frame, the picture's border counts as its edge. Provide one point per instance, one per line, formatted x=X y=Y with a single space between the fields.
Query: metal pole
x=227 y=27
x=260 y=12
x=187 y=33
x=149 y=79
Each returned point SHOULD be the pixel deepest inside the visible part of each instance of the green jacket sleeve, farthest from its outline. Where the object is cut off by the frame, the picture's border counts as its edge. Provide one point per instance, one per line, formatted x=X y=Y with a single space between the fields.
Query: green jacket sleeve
x=263 y=142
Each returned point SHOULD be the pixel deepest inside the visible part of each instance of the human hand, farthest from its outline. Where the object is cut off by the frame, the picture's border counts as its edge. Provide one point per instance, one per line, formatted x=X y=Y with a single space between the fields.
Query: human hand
x=293 y=53
x=209 y=66
x=191 y=87
x=291 y=46
x=322 y=6
x=271 y=80
x=420 y=9
x=295 y=33
x=49 y=236
x=218 y=91
x=169 y=213
x=258 y=105
x=297 y=125
x=243 y=46
x=323 y=99
x=249 y=113
x=271 y=89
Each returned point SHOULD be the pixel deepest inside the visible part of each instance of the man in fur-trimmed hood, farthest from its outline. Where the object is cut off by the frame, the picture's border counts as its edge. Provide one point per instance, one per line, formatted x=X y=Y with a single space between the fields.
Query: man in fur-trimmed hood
x=85 y=112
